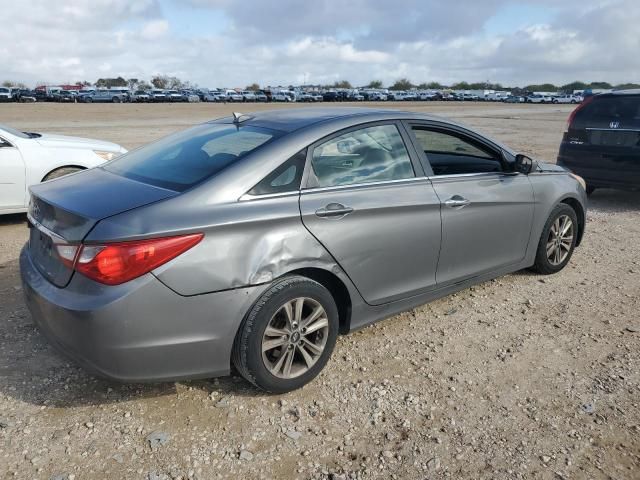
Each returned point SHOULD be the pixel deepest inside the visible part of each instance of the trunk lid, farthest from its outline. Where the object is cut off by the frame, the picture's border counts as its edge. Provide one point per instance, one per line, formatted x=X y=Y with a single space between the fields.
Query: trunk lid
x=63 y=211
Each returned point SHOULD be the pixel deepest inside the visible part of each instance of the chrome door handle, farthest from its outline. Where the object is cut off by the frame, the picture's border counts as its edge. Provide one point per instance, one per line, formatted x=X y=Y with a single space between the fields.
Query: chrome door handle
x=457 y=202
x=334 y=210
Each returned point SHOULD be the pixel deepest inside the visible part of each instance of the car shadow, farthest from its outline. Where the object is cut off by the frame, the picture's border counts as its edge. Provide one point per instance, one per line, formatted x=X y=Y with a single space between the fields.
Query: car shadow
x=614 y=201
x=13 y=219
x=32 y=371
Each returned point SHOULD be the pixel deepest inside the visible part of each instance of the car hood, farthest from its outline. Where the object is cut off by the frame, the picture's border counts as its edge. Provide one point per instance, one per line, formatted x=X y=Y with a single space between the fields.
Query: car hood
x=62 y=141
x=550 y=167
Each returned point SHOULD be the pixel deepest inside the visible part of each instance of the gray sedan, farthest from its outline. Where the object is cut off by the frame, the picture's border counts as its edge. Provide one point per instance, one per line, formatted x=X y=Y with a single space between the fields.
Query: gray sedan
x=255 y=240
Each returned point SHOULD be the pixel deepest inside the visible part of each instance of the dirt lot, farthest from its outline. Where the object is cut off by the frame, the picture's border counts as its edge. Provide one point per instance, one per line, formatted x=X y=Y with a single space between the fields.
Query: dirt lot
x=521 y=377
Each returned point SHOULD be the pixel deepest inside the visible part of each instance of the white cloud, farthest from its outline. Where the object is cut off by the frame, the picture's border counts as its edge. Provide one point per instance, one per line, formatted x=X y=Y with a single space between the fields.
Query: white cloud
x=154 y=29
x=280 y=42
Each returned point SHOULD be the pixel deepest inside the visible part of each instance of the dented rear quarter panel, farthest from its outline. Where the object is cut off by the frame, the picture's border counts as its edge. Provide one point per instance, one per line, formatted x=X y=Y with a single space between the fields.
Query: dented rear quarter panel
x=245 y=242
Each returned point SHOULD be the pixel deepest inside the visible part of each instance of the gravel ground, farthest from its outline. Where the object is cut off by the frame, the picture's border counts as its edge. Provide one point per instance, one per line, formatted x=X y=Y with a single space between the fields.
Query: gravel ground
x=524 y=376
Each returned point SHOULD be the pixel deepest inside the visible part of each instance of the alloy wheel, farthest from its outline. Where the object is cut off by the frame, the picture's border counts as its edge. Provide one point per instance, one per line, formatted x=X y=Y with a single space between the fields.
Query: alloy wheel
x=560 y=240
x=295 y=337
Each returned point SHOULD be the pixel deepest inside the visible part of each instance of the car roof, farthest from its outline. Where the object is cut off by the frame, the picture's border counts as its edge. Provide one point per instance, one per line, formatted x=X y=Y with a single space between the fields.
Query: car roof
x=292 y=119
x=632 y=91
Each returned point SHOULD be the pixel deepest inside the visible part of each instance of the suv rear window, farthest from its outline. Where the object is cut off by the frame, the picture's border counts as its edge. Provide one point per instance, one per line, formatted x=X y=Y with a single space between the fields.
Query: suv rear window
x=601 y=111
x=180 y=161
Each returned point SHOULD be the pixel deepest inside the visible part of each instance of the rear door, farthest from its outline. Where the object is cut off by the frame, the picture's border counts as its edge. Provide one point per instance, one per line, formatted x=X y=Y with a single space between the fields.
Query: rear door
x=369 y=203
x=604 y=139
x=487 y=212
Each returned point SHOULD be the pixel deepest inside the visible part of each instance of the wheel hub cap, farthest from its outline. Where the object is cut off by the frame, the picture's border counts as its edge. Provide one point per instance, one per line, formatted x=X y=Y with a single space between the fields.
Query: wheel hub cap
x=560 y=240
x=295 y=338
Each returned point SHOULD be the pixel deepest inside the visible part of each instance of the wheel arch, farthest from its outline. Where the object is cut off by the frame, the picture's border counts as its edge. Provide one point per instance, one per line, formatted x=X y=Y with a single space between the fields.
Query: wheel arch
x=580 y=213
x=336 y=287
x=79 y=167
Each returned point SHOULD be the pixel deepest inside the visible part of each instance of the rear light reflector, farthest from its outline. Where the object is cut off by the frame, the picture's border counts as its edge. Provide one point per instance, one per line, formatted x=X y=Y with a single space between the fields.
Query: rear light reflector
x=116 y=263
x=67 y=253
x=572 y=115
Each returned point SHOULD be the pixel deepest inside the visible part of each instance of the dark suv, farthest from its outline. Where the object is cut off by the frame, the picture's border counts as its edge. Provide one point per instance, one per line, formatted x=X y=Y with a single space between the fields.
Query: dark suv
x=602 y=141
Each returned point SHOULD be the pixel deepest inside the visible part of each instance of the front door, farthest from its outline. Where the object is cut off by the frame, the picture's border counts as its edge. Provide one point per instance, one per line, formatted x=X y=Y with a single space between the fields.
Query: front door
x=487 y=212
x=368 y=202
x=12 y=177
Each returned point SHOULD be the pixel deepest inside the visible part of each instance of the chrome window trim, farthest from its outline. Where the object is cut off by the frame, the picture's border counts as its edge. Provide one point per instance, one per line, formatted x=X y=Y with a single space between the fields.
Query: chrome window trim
x=366 y=184
x=613 y=129
x=248 y=197
x=36 y=224
x=470 y=175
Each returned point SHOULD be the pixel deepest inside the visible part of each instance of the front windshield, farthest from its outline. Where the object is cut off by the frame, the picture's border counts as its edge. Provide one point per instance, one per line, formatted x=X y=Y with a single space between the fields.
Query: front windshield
x=14 y=132
x=180 y=161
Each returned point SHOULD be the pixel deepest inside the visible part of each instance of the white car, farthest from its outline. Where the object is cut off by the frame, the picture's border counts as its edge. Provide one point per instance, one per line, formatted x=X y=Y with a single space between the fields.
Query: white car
x=537 y=98
x=248 y=96
x=5 y=94
x=567 y=98
x=233 y=96
x=29 y=158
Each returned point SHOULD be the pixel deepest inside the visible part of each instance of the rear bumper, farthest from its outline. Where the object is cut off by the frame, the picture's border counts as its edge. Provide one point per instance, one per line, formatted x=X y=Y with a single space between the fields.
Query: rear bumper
x=598 y=170
x=138 y=331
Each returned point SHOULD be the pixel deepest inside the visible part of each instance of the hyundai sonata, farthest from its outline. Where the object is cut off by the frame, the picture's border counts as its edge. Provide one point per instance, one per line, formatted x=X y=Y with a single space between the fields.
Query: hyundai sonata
x=255 y=240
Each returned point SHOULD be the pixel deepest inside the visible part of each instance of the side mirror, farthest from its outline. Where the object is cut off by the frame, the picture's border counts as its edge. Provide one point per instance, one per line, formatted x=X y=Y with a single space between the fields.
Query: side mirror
x=523 y=164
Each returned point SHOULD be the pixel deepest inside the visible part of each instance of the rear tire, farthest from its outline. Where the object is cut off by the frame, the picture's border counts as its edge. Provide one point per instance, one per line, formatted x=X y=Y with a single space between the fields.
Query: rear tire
x=287 y=356
x=557 y=241
x=61 y=172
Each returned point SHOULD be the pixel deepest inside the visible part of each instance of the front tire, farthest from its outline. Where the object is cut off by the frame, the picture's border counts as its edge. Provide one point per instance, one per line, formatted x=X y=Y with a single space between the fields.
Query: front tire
x=288 y=336
x=558 y=240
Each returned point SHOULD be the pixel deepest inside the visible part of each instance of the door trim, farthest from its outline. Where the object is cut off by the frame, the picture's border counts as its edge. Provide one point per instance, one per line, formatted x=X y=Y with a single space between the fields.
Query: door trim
x=363 y=185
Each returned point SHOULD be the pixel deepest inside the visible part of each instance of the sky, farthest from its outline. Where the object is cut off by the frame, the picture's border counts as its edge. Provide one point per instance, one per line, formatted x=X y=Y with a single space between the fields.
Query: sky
x=226 y=43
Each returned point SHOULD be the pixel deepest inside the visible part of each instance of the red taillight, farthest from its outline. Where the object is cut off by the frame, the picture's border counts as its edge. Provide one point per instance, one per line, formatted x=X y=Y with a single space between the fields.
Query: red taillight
x=572 y=115
x=115 y=263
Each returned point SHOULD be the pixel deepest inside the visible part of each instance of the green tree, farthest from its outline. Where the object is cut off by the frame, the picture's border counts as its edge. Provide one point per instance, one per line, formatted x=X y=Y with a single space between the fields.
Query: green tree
x=342 y=84
x=544 y=87
x=600 y=85
x=461 y=86
x=375 y=84
x=402 y=84
x=176 y=83
x=160 y=81
x=626 y=86
x=570 y=87
x=132 y=83
x=253 y=87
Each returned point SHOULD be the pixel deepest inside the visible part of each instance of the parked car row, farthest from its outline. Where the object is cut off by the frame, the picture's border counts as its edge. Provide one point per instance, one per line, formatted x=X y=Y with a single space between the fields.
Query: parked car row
x=157 y=95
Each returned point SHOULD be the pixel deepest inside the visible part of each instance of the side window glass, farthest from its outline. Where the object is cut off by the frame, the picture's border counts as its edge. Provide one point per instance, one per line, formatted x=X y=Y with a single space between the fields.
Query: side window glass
x=285 y=178
x=371 y=154
x=451 y=154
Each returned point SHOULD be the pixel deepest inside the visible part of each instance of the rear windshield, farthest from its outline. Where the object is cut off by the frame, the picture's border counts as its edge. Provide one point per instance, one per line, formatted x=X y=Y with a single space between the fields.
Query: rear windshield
x=624 y=109
x=180 y=161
